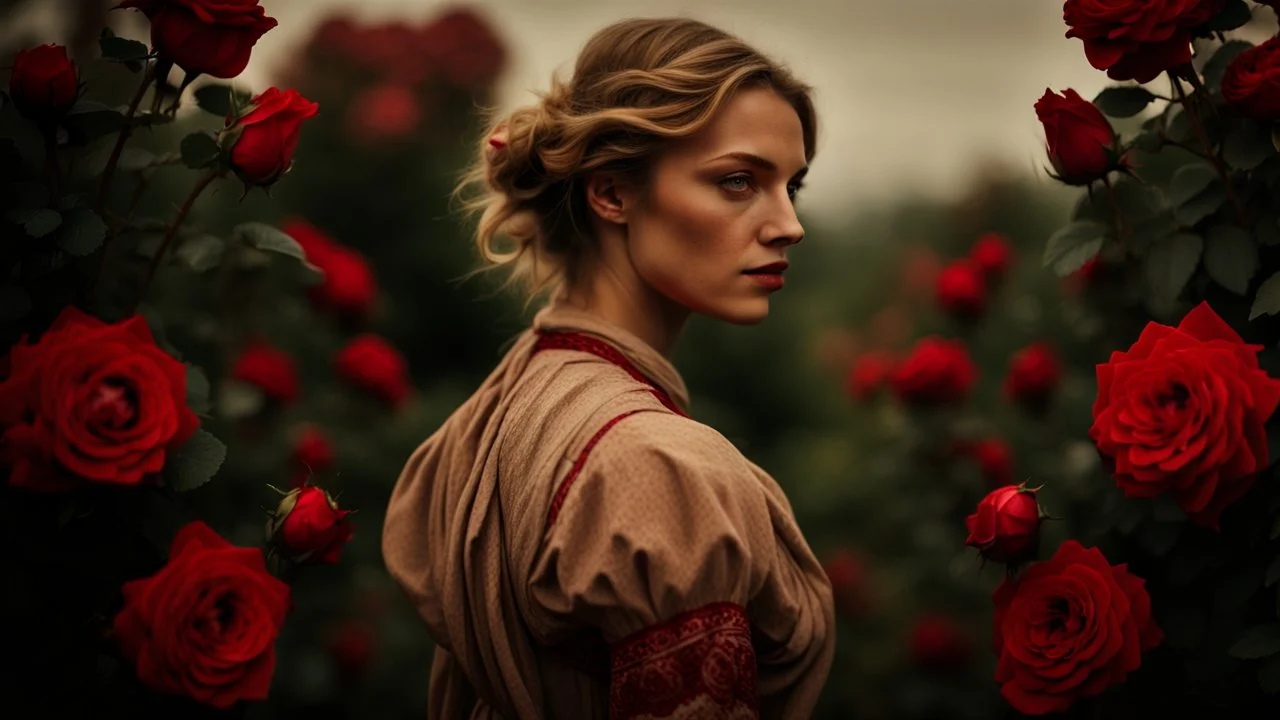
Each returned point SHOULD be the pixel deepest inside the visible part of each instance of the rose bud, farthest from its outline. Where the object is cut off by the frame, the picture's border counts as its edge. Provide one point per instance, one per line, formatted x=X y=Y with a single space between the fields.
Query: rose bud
x=938 y=371
x=1251 y=84
x=1006 y=526
x=868 y=374
x=938 y=643
x=1034 y=373
x=262 y=141
x=211 y=37
x=994 y=458
x=962 y=291
x=44 y=84
x=270 y=370
x=992 y=254
x=309 y=527
x=349 y=288
x=1082 y=145
x=376 y=367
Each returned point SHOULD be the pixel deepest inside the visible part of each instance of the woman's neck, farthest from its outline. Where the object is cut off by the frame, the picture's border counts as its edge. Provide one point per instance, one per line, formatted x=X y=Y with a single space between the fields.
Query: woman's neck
x=631 y=304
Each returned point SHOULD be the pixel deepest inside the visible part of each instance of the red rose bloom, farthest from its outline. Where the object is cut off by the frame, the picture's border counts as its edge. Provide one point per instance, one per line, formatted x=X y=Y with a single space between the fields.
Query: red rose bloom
x=1182 y=411
x=1034 y=374
x=848 y=575
x=962 y=289
x=211 y=37
x=1137 y=39
x=270 y=370
x=1006 y=526
x=264 y=139
x=938 y=643
x=92 y=401
x=869 y=373
x=375 y=366
x=1251 y=84
x=992 y=254
x=348 y=287
x=1081 y=143
x=995 y=460
x=936 y=371
x=44 y=83
x=1069 y=628
x=463 y=49
x=308 y=526
x=205 y=625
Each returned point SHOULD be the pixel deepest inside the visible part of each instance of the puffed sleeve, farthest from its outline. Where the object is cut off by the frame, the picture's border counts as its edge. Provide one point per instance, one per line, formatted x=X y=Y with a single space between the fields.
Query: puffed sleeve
x=667 y=542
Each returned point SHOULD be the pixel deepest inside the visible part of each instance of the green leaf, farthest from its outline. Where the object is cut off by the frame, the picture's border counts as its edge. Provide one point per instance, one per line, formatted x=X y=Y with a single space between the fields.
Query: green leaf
x=200 y=252
x=1231 y=257
x=71 y=200
x=1170 y=263
x=122 y=49
x=1073 y=245
x=1248 y=146
x=1178 y=127
x=1269 y=676
x=1150 y=231
x=197 y=390
x=196 y=462
x=82 y=232
x=199 y=150
x=1257 y=642
x=37 y=222
x=90 y=120
x=1216 y=67
x=1267 y=301
x=272 y=239
x=1123 y=101
x=1148 y=142
x=220 y=99
x=1195 y=193
x=1234 y=15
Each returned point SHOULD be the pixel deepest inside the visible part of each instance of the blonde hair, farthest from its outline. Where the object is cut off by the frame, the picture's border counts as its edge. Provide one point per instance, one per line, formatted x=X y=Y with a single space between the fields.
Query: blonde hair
x=636 y=84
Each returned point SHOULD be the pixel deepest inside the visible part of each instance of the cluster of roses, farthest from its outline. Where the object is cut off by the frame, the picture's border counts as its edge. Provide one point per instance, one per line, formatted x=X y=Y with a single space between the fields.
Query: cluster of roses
x=400 y=67
x=89 y=403
x=1180 y=413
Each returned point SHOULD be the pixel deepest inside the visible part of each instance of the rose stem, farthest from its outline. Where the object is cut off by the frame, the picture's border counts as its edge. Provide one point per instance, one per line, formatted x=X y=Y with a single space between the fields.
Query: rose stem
x=1208 y=147
x=169 y=234
x=123 y=137
x=1121 y=229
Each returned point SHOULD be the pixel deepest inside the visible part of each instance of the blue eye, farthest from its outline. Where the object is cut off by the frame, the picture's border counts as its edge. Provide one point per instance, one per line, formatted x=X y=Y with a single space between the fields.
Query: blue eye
x=738 y=183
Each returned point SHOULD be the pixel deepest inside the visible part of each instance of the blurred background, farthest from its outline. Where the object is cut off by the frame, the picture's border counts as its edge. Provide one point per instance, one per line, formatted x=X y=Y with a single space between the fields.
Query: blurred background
x=928 y=143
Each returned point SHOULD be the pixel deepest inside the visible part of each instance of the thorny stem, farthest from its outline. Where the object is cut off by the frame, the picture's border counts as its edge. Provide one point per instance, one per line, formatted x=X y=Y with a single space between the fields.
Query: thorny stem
x=123 y=137
x=172 y=232
x=1208 y=148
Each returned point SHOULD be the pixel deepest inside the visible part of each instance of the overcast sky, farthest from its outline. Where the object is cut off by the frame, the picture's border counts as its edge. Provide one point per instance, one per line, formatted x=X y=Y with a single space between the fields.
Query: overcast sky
x=912 y=95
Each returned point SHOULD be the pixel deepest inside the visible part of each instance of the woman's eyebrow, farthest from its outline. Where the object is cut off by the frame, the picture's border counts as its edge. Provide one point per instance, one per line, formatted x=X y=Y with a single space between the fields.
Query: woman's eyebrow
x=760 y=162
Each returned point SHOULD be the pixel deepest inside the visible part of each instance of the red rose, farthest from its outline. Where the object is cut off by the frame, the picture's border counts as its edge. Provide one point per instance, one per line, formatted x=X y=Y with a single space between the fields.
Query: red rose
x=1251 y=84
x=375 y=366
x=1006 y=526
x=205 y=625
x=308 y=526
x=848 y=575
x=938 y=643
x=390 y=111
x=464 y=49
x=992 y=254
x=1069 y=628
x=1034 y=374
x=348 y=287
x=312 y=451
x=211 y=37
x=44 y=83
x=962 y=291
x=869 y=373
x=994 y=458
x=936 y=371
x=1182 y=411
x=269 y=369
x=263 y=140
x=92 y=401
x=351 y=647
x=1082 y=146
x=1137 y=39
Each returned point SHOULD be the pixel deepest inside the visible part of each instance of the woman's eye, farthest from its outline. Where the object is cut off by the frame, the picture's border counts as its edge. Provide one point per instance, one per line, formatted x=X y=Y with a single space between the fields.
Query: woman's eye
x=736 y=184
x=794 y=188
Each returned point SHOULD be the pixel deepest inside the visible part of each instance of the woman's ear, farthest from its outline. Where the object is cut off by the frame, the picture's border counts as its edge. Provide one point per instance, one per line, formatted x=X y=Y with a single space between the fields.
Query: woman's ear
x=607 y=197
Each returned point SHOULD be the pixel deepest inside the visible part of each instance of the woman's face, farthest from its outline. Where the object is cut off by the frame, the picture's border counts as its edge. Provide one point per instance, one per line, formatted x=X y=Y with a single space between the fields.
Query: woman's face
x=719 y=204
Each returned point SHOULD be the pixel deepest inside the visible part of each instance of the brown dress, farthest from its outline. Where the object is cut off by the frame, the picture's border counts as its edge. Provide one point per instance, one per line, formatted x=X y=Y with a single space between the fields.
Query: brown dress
x=580 y=548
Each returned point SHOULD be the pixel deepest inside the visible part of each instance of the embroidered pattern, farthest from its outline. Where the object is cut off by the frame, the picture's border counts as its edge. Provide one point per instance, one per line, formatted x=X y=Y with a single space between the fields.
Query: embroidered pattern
x=554 y=340
x=701 y=656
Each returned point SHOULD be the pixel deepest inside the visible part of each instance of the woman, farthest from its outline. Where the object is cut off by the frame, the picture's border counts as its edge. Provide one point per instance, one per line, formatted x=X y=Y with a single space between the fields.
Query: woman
x=578 y=545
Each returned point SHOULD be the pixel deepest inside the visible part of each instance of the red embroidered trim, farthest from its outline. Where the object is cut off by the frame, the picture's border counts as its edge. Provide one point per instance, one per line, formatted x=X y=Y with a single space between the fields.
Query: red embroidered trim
x=558 y=340
x=702 y=652
x=572 y=475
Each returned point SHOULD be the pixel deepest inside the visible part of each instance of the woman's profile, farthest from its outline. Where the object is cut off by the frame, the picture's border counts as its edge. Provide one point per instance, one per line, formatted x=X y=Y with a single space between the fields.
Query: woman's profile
x=578 y=546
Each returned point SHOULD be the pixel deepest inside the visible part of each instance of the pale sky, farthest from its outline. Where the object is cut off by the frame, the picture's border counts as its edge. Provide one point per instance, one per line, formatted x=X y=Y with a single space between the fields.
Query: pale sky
x=912 y=96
